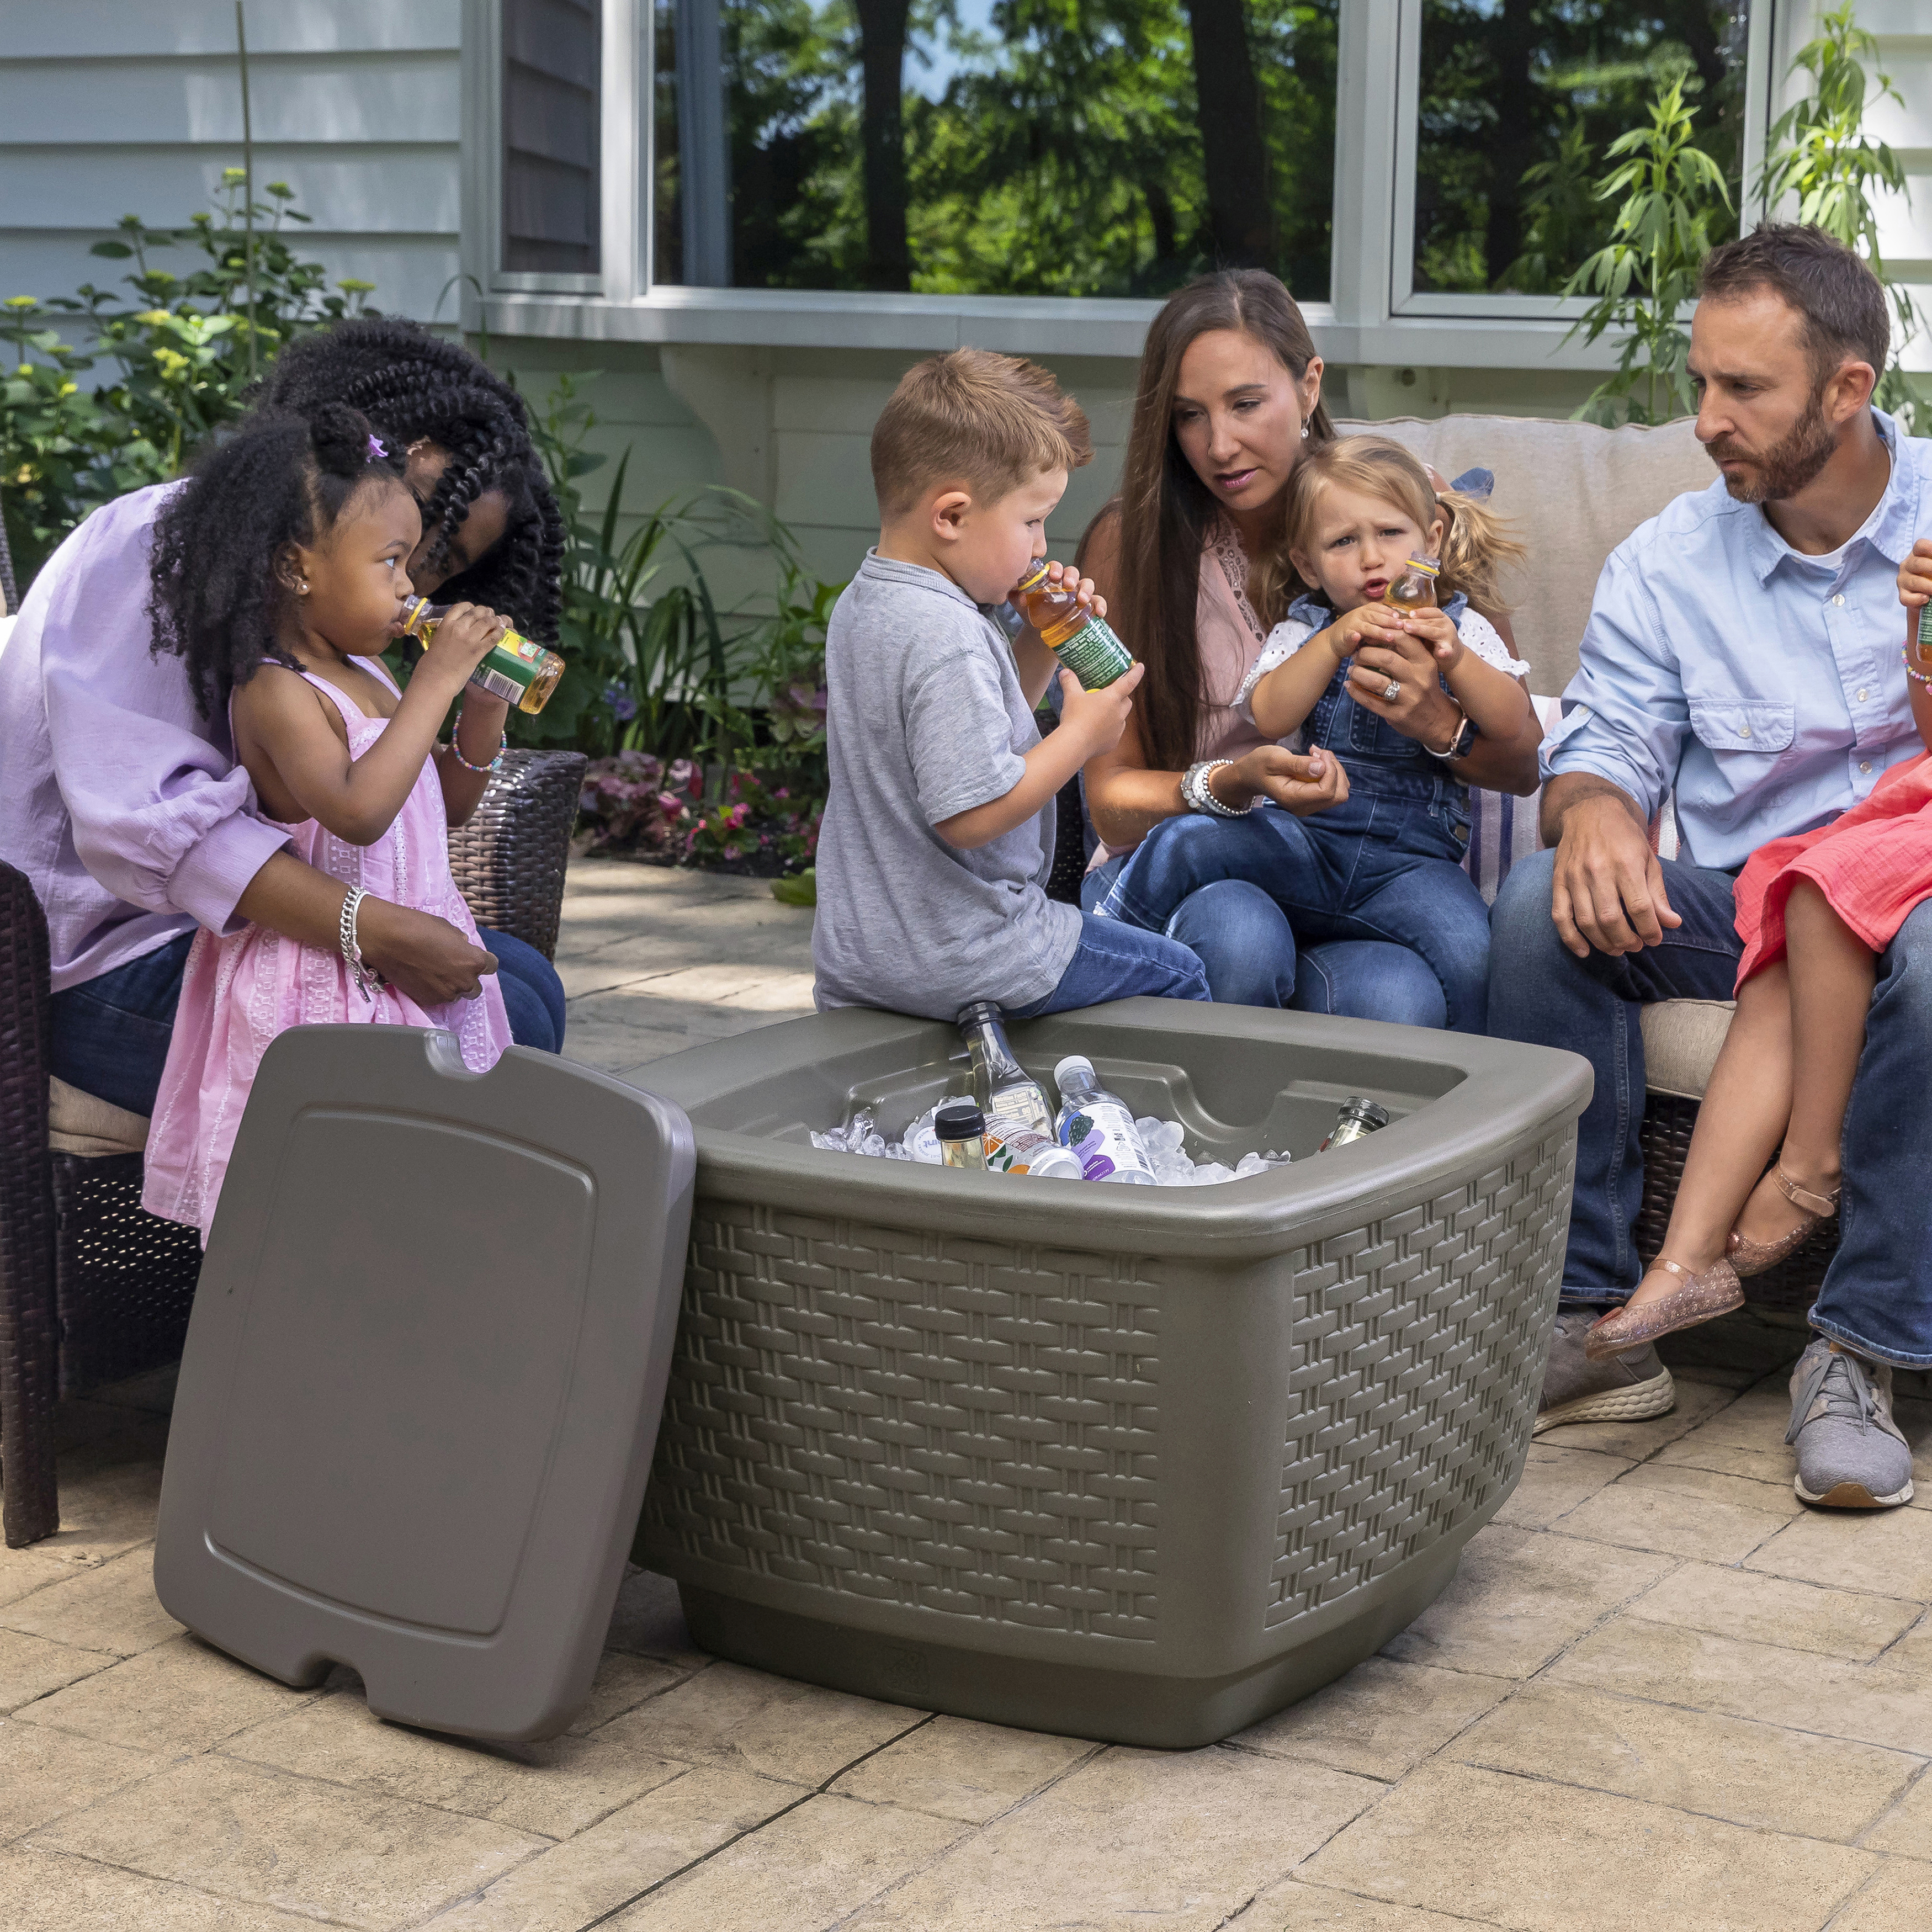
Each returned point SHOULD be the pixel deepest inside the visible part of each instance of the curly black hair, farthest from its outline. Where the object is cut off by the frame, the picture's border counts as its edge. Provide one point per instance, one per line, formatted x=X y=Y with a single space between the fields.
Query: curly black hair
x=215 y=596
x=412 y=385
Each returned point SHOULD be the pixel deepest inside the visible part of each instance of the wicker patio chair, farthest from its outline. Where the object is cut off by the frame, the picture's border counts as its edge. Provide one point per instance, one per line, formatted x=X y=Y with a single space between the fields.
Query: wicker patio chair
x=10 y=598
x=93 y=1288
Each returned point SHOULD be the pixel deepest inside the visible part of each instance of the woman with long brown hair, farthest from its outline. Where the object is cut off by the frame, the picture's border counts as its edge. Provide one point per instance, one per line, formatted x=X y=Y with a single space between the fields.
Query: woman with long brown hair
x=1192 y=562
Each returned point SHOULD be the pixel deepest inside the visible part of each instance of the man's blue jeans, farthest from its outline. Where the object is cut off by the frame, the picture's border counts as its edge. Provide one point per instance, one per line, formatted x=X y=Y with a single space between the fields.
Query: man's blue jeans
x=1877 y=1297
x=1116 y=962
x=111 y=1034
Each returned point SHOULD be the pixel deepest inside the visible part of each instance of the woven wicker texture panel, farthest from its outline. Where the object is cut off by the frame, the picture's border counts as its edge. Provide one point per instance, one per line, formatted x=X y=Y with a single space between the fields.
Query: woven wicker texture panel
x=508 y=860
x=1414 y=1350
x=943 y=1422
x=124 y=1279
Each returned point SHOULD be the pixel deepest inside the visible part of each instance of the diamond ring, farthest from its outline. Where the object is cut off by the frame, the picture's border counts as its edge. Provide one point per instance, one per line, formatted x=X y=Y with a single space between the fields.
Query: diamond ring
x=1394 y=692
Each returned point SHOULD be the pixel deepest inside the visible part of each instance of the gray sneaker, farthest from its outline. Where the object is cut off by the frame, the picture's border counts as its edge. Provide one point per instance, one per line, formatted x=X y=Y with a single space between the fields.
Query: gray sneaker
x=1851 y=1454
x=1630 y=1388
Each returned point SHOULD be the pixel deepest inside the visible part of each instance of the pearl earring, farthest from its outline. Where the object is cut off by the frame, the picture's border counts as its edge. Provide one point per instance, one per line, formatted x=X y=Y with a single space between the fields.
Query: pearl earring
x=301 y=588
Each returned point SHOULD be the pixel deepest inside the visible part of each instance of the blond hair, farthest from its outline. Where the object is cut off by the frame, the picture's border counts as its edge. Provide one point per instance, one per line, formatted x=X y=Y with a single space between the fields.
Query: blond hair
x=1476 y=543
x=988 y=422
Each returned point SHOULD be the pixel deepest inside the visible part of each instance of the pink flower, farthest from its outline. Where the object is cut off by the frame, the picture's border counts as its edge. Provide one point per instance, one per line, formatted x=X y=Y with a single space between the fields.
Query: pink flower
x=673 y=805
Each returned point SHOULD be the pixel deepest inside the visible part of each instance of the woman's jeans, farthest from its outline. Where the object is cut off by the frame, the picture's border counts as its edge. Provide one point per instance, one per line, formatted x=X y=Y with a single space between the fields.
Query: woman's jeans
x=1379 y=873
x=111 y=1034
x=1116 y=962
x=1877 y=1295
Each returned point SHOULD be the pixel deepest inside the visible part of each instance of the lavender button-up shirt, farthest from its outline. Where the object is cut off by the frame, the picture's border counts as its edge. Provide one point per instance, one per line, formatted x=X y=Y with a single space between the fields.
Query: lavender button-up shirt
x=1759 y=686
x=122 y=806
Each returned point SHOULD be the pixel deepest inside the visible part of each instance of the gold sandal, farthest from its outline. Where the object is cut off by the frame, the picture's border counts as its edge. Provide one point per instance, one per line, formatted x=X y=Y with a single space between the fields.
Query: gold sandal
x=1750 y=1258
x=1703 y=1297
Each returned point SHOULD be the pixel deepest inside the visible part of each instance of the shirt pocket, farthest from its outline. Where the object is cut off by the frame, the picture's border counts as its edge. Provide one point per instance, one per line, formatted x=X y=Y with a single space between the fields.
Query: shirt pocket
x=1743 y=724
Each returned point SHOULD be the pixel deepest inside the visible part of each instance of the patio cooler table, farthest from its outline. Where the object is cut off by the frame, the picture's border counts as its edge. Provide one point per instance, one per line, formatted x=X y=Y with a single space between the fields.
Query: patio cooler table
x=1136 y=1463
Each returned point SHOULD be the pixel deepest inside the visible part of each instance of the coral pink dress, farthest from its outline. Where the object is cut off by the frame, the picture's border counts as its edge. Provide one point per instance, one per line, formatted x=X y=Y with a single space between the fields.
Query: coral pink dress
x=240 y=992
x=1873 y=864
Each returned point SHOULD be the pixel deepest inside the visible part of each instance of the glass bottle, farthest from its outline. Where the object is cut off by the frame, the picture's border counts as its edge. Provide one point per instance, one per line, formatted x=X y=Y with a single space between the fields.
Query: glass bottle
x=1359 y=1118
x=519 y=672
x=1002 y=1086
x=1083 y=643
x=1415 y=589
x=960 y=1128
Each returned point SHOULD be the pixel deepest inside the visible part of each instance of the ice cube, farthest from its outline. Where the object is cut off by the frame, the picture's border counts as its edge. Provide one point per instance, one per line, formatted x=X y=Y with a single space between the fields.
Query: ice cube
x=1248 y=1164
x=895 y=1150
x=874 y=1143
x=1172 y=1170
x=1210 y=1173
x=1146 y=1126
x=1166 y=1134
x=831 y=1143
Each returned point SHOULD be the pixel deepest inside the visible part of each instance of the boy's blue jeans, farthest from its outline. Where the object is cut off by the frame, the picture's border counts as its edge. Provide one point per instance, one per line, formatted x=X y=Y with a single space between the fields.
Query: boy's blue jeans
x=1877 y=1297
x=1380 y=870
x=111 y=1034
x=1116 y=962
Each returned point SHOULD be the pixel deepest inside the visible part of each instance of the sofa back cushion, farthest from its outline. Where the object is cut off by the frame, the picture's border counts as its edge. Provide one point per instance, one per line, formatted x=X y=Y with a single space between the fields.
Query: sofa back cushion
x=1573 y=492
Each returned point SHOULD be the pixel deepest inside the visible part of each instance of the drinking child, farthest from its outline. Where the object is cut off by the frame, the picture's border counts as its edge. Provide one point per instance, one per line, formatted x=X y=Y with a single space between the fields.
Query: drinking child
x=279 y=574
x=938 y=829
x=1414 y=704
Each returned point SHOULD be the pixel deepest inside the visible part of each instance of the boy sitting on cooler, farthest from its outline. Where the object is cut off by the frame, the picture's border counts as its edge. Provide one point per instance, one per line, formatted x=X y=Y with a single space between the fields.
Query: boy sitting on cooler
x=937 y=836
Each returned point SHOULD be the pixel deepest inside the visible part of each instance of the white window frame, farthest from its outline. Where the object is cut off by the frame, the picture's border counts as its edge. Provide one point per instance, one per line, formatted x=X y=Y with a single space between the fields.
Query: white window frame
x=623 y=129
x=1374 y=317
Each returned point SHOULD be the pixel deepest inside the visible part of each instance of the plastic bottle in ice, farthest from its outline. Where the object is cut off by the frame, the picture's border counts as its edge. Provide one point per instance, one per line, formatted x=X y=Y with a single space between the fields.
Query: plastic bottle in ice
x=1099 y=1126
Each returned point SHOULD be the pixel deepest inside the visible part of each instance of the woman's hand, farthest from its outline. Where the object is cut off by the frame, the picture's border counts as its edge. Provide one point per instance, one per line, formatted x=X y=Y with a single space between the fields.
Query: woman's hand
x=1401 y=682
x=462 y=640
x=1914 y=575
x=1301 y=785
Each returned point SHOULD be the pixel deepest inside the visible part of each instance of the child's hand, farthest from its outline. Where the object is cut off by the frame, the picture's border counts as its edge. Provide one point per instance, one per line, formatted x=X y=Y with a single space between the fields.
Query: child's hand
x=1914 y=575
x=1372 y=624
x=1436 y=632
x=1098 y=717
x=462 y=641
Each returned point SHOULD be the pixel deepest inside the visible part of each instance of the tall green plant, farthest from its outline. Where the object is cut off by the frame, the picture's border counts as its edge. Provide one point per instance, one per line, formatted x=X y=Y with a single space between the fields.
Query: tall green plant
x=1821 y=156
x=1671 y=192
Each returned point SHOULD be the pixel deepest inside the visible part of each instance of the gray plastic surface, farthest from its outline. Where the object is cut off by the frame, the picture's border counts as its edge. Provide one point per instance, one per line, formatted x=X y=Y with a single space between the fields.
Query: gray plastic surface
x=1142 y=1464
x=424 y=1374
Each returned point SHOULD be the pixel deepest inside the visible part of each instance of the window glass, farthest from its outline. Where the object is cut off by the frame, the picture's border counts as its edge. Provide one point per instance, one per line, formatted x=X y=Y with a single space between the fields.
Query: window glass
x=1000 y=147
x=1518 y=103
x=551 y=144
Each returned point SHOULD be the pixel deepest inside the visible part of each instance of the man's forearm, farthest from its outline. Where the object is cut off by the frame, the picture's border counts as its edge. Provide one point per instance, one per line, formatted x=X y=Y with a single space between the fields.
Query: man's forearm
x=1571 y=788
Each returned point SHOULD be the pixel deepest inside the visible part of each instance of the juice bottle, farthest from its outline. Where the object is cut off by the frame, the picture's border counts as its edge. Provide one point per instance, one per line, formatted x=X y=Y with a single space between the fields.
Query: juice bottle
x=1415 y=589
x=519 y=672
x=1085 y=643
x=1013 y=1149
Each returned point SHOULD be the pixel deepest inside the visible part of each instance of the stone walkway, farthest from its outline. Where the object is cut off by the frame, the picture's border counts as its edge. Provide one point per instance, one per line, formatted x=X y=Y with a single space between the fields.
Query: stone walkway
x=1660 y=1695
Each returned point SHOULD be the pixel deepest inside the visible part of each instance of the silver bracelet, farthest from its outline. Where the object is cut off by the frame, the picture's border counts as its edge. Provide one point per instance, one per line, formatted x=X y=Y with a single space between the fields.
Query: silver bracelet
x=352 y=952
x=1197 y=796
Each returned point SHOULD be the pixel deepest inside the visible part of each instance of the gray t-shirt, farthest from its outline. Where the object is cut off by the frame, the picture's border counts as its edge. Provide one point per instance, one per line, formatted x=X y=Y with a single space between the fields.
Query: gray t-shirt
x=925 y=719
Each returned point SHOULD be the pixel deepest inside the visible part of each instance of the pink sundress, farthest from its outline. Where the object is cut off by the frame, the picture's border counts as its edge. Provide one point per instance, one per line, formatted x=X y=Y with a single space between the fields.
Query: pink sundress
x=239 y=992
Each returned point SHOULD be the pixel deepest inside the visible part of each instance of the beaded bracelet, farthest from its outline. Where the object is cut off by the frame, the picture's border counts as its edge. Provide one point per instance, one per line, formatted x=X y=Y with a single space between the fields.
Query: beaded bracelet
x=1197 y=796
x=352 y=951
x=1917 y=677
x=495 y=764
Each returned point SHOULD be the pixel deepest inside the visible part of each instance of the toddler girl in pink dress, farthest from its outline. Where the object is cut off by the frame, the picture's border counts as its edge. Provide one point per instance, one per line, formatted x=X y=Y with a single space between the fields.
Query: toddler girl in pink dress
x=279 y=571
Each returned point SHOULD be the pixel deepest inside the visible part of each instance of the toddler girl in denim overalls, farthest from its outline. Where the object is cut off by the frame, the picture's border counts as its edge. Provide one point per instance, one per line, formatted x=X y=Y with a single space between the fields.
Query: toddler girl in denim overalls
x=1410 y=704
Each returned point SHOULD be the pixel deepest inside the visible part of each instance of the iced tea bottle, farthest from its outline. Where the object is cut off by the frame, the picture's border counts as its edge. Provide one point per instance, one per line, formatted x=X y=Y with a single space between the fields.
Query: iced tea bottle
x=1083 y=643
x=1001 y=1085
x=1415 y=589
x=518 y=671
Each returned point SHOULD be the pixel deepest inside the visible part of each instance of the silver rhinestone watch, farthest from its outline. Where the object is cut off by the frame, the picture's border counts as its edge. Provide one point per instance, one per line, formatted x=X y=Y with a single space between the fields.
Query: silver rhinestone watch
x=1196 y=796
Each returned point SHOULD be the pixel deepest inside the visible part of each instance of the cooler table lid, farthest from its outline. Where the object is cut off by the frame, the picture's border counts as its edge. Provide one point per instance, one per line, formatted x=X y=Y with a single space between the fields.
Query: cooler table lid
x=423 y=1377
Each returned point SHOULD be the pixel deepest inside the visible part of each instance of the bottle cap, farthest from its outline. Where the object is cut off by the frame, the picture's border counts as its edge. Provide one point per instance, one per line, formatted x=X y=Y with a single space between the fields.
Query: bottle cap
x=958 y=1120
x=1428 y=565
x=1067 y=1066
x=1034 y=575
x=979 y=1011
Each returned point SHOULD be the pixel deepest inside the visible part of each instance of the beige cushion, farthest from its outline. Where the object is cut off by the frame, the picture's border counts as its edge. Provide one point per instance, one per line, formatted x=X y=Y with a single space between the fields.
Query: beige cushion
x=1573 y=492
x=1680 y=1040
x=80 y=1123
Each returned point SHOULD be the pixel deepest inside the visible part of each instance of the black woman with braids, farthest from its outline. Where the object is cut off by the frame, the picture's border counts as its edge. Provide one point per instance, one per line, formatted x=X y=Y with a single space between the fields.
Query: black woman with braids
x=120 y=797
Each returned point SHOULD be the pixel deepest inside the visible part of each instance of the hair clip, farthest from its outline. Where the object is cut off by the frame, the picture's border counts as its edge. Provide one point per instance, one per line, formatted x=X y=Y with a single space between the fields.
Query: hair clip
x=377 y=451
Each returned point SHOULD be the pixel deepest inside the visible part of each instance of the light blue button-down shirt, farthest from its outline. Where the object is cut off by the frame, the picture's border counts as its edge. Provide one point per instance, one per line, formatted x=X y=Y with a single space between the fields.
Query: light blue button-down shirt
x=1762 y=686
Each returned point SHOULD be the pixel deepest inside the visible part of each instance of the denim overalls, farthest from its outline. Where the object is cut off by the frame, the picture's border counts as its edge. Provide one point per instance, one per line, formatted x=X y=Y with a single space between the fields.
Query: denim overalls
x=1384 y=864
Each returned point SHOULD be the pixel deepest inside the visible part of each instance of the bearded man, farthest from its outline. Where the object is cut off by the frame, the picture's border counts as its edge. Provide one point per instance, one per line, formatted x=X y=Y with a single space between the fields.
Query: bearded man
x=1742 y=658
